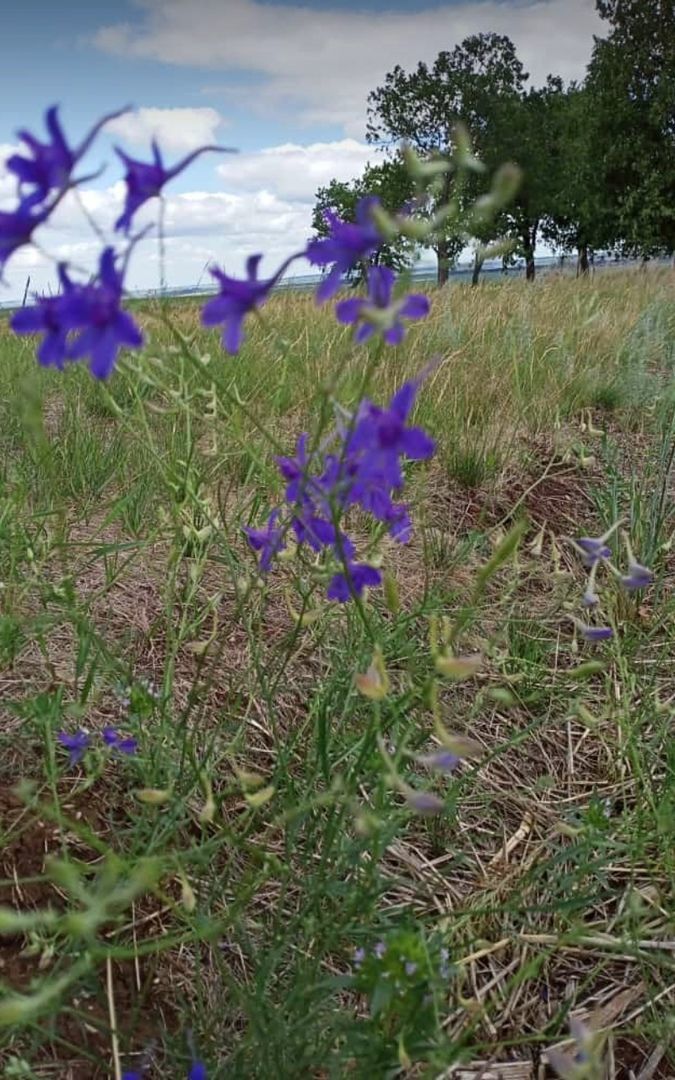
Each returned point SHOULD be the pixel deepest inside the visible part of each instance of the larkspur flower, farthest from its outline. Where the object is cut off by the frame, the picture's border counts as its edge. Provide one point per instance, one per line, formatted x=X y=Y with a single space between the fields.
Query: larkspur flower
x=146 y=180
x=17 y=228
x=51 y=163
x=104 y=328
x=379 y=313
x=410 y=967
x=115 y=741
x=45 y=317
x=236 y=298
x=638 y=577
x=76 y=744
x=352 y=581
x=358 y=465
x=347 y=244
x=593 y=633
x=268 y=541
x=424 y=803
x=359 y=956
x=441 y=760
x=380 y=949
x=197 y=1071
x=594 y=549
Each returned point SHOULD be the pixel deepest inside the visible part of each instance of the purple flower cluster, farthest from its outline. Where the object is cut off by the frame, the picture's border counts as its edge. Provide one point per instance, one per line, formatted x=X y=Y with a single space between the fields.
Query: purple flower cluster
x=80 y=741
x=362 y=468
x=197 y=1071
x=595 y=552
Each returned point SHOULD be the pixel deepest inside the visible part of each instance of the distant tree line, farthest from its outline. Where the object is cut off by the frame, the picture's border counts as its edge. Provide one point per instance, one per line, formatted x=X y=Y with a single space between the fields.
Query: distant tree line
x=597 y=158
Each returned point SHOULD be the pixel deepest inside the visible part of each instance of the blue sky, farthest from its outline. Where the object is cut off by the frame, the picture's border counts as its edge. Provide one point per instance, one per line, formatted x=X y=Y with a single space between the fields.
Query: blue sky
x=284 y=83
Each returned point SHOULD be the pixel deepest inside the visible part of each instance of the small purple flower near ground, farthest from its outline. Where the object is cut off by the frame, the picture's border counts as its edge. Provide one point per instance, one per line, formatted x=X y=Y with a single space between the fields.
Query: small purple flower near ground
x=380 y=949
x=352 y=581
x=76 y=745
x=115 y=741
x=441 y=760
x=359 y=956
x=593 y=633
x=197 y=1071
x=638 y=577
x=410 y=967
x=348 y=244
x=236 y=298
x=424 y=803
x=269 y=541
x=379 y=313
x=145 y=180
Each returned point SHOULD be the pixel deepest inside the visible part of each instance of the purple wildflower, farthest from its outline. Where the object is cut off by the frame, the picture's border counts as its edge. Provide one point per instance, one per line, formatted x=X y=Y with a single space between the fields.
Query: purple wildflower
x=115 y=741
x=131 y=1076
x=352 y=581
x=380 y=949
x=381 y=437
x=16 y=229
x=238 y=297
x=593 y=549
x=96 y=312
x=424 y=803
x=379 y=312
x=593 y=633
x=638 y=577
x=348 y=244
x=359 y=956
x=76 y=744
x=52 y=163
x=440 y=760
x=55 y=317
x=197 y=1071
x=410 y=967
x=145 y=181
x=268 y=541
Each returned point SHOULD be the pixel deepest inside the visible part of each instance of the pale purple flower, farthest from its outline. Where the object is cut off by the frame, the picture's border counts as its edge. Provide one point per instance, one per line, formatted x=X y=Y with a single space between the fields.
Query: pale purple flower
x=379 y=312
x=380 y=949
x=424 y=803
x=593 y=633
x=441 y=760
x=410 y=967
x=638 y=577
x=359 y=956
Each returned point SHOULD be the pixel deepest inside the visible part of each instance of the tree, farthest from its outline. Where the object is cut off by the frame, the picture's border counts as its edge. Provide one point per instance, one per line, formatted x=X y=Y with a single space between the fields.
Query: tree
x=631 y=83
x=577 y=218
x=390 y=182
x=423 y=108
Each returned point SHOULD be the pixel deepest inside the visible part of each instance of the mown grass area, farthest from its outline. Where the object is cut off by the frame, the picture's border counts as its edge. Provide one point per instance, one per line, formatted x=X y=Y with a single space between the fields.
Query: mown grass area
x=209 y=894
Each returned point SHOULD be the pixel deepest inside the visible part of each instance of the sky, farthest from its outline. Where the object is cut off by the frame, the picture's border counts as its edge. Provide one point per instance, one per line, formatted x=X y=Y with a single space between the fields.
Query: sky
x=285 y=84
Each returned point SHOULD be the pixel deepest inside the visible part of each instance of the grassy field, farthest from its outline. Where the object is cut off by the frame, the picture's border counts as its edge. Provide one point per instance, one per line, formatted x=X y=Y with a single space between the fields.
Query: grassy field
x=252 y=887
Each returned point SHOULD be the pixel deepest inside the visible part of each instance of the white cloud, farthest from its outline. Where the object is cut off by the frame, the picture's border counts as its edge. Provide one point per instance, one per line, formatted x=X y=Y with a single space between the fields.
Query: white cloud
x=324 y=62
x=177 y=130
x=293 y=171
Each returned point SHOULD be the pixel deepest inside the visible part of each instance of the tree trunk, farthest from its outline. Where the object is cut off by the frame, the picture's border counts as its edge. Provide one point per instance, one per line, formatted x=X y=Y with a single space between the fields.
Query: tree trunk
x=477 y=266
x=583 y=265
x=529 y=239
x=443 y=256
